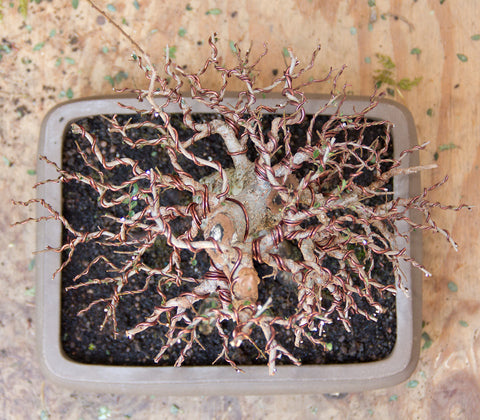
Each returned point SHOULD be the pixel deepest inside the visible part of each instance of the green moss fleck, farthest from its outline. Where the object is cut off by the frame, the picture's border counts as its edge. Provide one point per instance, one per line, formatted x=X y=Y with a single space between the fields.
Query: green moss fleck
x=427 y=341
x=171 y=51
x=452 y=286
x=214 y=11
x=38 y=46
x=447 y=146
x=412 y=384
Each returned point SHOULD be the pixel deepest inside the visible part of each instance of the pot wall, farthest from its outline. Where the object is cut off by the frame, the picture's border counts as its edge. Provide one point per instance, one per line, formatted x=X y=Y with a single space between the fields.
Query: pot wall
x=217 y=380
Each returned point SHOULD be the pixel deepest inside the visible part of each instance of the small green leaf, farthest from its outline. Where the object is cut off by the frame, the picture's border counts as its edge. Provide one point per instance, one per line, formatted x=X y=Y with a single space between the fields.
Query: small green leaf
x=442 y=1
x=416 y=51
x=38 y=46
x=171 y=51
x=394 y=397
x=285 y=52
x=462 y=57
x=329 y=346
x=7 y=161
x=105 y=49
x=316 y=153
x=233 y=48
x=214 y=11
x=91 y=346
x=136 y=4
x=23 y=8
x=407 y=84
x=412 y=384
x=188 y=7
x=182 y=31
x=385 y=61
x=353 y=31
x=69 y=93
x=121 y=75
x=30 y=292
x=134 y=189
x=52 y=33
x=69 y=60
x=428 y=341
x=31 y=172
x=74 y=4
x=430 y=112
x=111 y=8
x=463 y=323
x=110 y=80
x=435 y=156
x=368 y=60
x=447 y=146
x=475 y=37
x=452 y=286
x=371 y=3
x=31 y=264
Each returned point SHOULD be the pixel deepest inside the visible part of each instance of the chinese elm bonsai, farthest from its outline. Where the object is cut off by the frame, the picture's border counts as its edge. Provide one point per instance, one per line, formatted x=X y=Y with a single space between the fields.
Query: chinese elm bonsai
x=320 y=210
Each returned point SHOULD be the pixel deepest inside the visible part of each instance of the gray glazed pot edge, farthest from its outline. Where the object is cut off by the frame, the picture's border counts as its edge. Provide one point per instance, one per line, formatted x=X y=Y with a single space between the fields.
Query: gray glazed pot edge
x=217 y=380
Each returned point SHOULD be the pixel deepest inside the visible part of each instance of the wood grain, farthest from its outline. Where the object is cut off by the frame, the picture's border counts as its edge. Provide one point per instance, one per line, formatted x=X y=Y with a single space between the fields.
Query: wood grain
x=58 y=49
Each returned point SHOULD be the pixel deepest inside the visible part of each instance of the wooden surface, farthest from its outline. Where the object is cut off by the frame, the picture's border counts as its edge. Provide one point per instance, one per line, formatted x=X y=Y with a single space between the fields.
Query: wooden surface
x=58 y=50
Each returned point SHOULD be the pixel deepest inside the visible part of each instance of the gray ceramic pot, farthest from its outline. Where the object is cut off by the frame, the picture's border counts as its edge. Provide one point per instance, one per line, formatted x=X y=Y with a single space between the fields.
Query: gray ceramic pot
x=216 y=380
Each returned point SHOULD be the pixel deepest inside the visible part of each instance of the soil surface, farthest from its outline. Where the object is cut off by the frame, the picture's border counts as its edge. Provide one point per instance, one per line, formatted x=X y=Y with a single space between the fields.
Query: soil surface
x=83 y=339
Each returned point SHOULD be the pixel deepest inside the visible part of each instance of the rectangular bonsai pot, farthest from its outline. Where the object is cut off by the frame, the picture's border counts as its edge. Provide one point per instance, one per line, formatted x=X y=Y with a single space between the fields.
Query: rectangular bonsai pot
x=218 y=380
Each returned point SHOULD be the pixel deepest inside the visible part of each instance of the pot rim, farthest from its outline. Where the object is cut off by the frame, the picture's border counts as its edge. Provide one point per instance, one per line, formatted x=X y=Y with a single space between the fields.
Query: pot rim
x=218 y=380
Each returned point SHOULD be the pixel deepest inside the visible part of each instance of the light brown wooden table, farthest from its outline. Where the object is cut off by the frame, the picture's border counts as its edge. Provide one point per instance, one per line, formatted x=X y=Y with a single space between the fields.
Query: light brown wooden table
x=58 y=50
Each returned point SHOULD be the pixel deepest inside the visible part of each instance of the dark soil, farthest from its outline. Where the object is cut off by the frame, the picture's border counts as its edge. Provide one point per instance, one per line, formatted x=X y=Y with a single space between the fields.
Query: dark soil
x=84 y=342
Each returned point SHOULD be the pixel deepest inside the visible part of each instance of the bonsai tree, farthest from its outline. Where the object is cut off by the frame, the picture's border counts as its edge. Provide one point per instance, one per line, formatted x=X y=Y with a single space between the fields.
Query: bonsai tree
x=318 y=207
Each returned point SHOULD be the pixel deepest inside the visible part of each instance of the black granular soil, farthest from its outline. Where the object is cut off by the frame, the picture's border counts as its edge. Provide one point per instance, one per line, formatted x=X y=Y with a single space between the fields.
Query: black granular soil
x=84 y=342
